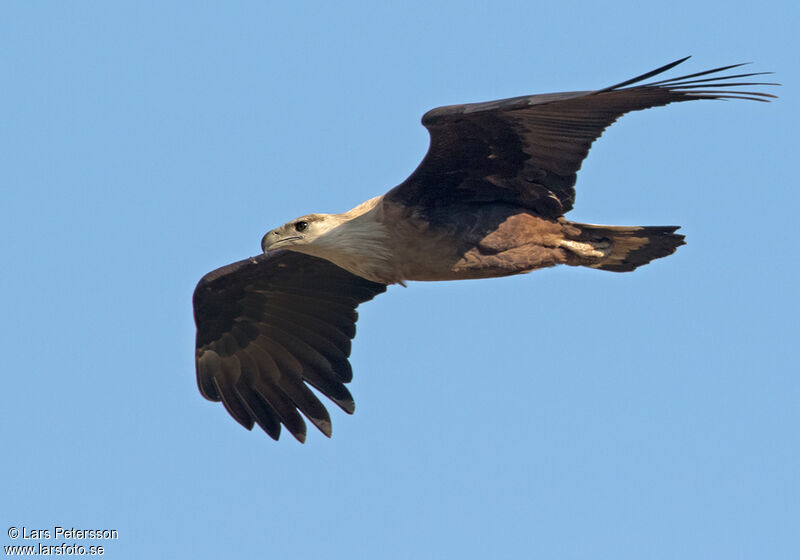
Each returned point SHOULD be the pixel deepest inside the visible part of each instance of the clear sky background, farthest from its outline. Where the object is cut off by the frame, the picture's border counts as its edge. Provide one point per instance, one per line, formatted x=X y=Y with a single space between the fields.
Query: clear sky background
x=569 y=413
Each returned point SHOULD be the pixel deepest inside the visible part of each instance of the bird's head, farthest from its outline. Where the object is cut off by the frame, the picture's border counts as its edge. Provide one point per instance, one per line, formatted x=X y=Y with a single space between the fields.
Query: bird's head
x=300 y=233
x=354 y=241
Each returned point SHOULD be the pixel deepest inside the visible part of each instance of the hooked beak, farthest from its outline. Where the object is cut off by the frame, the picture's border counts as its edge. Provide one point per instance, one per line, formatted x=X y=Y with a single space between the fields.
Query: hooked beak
x=273 y=240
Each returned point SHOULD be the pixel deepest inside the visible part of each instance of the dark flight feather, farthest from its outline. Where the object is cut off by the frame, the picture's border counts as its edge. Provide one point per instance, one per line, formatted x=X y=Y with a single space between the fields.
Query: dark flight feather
x=527 y=150
x=266 y=326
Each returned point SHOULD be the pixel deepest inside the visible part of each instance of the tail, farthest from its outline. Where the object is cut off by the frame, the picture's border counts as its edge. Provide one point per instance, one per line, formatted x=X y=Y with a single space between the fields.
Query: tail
x=618 y=248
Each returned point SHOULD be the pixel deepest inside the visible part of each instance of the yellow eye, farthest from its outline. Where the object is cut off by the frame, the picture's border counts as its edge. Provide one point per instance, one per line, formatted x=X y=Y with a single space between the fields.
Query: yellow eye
x=301 y=225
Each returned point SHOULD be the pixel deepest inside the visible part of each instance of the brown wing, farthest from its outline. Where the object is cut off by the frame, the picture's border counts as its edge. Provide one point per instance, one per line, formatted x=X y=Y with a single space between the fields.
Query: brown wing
x=527 y=150
x=271 y=325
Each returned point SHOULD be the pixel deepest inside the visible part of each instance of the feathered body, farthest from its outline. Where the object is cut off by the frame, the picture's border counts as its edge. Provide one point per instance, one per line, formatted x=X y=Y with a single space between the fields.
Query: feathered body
x=390 y=243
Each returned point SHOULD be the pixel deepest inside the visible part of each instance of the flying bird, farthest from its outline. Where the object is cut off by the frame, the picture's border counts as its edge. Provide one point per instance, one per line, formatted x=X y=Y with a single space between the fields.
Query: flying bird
x=488 y=200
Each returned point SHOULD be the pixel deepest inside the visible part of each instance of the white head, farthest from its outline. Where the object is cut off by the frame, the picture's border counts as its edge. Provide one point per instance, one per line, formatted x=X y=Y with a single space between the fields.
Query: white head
x=300 y=234
x=355 y=241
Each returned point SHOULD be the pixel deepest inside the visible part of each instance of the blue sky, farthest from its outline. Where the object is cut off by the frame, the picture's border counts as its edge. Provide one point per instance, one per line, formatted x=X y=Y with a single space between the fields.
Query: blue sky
x=565 y=414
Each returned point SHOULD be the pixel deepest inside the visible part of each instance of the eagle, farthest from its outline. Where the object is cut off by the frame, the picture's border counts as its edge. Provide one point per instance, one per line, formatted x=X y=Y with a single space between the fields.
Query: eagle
x=488 y=200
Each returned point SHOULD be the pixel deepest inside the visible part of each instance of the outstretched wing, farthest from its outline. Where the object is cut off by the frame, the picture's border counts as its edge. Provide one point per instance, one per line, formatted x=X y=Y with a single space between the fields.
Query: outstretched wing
x=269 y=326
x=527 y=150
